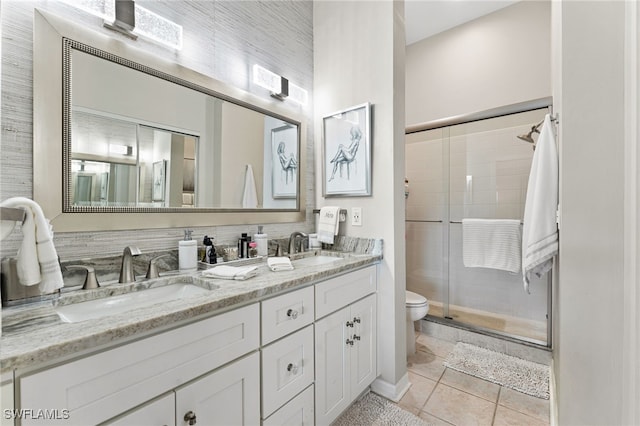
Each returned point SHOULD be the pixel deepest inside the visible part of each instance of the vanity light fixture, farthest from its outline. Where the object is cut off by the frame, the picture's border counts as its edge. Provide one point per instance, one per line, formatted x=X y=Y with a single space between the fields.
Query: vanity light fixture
x=121 y=149
x=279 y=86
x=132 y=20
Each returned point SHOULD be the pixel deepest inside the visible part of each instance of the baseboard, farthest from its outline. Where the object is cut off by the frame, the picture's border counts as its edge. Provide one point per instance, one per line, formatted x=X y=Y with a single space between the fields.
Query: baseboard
x=553 y=402
x=390 y=391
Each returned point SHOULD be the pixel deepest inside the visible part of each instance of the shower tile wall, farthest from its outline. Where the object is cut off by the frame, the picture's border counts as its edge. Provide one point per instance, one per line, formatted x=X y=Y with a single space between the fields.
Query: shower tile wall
x=488 y=174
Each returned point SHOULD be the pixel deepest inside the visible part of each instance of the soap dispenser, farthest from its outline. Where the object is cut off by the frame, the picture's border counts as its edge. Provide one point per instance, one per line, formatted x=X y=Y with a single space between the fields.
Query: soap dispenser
x=261 y=242
x=188 y=253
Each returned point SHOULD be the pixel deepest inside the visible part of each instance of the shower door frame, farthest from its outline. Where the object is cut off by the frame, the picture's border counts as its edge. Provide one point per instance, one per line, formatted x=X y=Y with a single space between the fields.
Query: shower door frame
x=540 y=103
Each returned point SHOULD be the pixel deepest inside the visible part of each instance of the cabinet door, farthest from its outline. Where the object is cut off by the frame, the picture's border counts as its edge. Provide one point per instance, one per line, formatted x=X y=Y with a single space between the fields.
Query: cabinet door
x=332 y=366
x=363 y=352
x=227 y=397
x=159 y=412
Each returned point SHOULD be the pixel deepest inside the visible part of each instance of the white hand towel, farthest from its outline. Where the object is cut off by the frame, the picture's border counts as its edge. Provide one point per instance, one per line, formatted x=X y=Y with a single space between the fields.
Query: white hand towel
x=279 y=264
x=249 y=195
x=37 y=260
x=491 y=243
x=227 y=272
x=540 y=230
x=328 y=224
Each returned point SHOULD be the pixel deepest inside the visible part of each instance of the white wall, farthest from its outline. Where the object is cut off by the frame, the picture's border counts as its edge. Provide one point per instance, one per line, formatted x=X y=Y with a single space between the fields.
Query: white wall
x=359 y=57
x=589 y=85
x=498 y=59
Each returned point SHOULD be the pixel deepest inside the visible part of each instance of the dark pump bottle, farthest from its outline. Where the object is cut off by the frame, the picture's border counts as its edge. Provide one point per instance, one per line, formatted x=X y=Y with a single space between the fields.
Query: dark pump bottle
x=209 y=250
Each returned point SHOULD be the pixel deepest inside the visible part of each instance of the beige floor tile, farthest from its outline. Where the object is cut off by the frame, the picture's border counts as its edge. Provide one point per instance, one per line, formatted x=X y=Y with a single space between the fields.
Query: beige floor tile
x=508 y=417
x=459 y=408
x=438 y=347
x=433 y=420
x=417 y=394
x=525 y=404
x=471 y=384
x=426 y=364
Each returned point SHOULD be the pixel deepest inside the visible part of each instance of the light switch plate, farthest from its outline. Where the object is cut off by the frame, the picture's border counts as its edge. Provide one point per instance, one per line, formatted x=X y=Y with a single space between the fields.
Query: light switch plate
x=356 y=216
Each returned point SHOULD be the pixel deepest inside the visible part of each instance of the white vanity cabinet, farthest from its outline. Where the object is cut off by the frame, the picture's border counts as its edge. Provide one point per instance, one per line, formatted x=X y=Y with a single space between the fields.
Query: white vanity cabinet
x=345 y=343
x=98 y=387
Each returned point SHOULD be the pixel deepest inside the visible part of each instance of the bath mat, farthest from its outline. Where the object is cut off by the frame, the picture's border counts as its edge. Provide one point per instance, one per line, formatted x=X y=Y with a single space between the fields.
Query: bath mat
x=374 y=410
x=505 y=370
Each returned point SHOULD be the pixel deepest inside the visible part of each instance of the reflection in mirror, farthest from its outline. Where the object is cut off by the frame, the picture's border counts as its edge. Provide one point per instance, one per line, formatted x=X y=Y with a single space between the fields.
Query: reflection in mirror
x=141 y=139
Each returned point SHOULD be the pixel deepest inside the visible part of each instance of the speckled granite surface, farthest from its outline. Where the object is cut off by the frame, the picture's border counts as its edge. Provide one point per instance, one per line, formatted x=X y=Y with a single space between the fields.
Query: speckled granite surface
x=34 y=335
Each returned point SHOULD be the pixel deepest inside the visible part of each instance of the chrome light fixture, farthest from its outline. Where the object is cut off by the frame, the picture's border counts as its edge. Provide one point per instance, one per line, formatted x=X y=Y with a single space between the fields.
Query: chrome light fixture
x=279 y=86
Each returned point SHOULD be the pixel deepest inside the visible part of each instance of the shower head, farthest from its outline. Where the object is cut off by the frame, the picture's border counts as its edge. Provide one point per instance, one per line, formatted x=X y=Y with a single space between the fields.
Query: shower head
x=528 y=137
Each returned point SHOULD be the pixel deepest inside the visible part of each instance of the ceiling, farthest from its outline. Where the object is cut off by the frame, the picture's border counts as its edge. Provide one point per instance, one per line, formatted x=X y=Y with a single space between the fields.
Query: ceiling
x=424 y=18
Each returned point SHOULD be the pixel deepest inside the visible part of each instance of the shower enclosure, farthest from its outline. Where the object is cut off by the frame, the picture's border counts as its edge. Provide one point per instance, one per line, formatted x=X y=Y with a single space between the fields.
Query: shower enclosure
x=472 y=167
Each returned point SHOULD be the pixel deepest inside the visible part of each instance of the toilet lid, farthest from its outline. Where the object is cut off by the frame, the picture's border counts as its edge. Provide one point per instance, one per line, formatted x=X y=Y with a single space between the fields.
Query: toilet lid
x=415 y=298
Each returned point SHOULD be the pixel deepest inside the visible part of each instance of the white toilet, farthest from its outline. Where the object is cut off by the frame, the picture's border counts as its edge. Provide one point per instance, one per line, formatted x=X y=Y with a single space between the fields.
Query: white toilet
x=417 y=308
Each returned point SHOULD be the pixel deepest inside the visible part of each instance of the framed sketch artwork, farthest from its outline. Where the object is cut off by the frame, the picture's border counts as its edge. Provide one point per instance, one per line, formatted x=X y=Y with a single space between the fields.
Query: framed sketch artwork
x=346 y=152
x=284 y=151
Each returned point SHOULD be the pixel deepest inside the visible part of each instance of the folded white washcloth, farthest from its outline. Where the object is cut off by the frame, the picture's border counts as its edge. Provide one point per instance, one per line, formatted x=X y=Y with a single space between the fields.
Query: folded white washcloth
x=279 y=264
x=37 y=260
x=227 y=272
x=328 y=224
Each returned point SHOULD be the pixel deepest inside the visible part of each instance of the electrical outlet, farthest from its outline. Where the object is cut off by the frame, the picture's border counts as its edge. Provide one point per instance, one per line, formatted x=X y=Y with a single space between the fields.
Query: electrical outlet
x=356 y=216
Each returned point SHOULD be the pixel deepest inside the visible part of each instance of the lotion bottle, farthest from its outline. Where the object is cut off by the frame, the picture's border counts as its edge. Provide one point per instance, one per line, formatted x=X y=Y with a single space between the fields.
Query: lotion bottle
x=188 y=253
x=261 y=242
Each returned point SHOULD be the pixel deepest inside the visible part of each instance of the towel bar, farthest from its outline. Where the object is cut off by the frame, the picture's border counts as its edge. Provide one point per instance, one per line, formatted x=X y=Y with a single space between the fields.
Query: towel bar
x=14 y=214
x=343 y=214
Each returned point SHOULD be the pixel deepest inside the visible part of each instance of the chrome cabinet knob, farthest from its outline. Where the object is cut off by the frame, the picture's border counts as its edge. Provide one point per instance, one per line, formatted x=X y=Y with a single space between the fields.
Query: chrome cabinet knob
x=292 y=368
x=349 y=342
x=349 y=324
x=356 y=320
x=190 y=417
x=292 y=313
x=356 y=337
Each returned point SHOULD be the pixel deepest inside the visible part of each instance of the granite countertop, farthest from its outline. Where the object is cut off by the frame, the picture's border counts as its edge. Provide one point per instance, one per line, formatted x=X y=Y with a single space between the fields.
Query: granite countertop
x=33 y=335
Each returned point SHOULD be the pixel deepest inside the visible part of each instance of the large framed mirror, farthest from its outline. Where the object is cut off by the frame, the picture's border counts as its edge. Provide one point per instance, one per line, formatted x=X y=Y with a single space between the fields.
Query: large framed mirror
x=126 y=140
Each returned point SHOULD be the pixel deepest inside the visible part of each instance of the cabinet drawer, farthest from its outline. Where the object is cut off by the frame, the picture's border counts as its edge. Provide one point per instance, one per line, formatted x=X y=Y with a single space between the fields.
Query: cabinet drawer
x=287 y=313
x=287 y=368
x=100 y=386
x=298 y=411
x=158 y=412
x=338 y=292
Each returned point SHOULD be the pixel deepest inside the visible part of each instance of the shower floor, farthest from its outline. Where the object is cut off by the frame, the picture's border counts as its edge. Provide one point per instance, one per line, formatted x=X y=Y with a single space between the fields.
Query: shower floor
x=513 y=326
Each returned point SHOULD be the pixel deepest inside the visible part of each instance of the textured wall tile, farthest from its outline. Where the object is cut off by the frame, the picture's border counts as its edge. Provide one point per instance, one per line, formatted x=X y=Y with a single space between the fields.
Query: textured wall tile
x=222 y=39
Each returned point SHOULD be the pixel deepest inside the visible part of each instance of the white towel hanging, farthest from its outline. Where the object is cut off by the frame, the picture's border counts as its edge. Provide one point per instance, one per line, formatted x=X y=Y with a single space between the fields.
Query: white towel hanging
x=37 y=259
x=492 y=243
x=249 y=195
x=540 y=229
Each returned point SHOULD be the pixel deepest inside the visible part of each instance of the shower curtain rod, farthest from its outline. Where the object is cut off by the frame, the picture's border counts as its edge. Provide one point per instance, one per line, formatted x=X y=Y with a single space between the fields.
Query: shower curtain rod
x=481 y=115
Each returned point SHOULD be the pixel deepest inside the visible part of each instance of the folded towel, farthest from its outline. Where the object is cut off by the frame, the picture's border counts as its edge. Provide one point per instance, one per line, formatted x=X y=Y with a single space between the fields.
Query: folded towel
x=540 y=230
x=279 y=264
x=491 y=243
x=249 y=196
x=37 y=260
x=227 y=272
x=328 y=224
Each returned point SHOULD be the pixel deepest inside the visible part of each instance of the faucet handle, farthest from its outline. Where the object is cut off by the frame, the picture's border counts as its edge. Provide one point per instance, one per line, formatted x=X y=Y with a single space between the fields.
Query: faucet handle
x=152 y=270
x=90 y=281
x=133 y=251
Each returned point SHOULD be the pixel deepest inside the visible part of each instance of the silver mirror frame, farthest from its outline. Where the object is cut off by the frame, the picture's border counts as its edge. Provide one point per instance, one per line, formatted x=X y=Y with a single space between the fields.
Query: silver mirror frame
x=50 y=133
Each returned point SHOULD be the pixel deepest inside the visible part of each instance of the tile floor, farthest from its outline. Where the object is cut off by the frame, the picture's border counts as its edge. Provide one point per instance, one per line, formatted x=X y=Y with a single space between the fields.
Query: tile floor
x=442 y=396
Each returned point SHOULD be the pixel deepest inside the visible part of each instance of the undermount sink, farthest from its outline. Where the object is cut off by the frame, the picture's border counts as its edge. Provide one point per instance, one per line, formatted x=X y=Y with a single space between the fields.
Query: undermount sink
x=98 y=308
x=315 y=260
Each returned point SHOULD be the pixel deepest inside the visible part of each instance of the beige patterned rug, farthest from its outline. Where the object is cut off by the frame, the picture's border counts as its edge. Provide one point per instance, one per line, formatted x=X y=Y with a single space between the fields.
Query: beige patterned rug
x=506 y=370
x=374 y=410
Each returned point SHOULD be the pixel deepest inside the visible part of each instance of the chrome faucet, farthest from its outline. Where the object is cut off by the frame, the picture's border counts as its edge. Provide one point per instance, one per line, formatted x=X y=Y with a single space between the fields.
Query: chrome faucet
x=292 y=241
x=126 y=270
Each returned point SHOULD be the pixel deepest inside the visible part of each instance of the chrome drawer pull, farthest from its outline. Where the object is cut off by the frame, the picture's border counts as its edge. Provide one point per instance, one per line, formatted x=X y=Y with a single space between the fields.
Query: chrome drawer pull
x=190 y=417
x=292 y=368
x=292 y=313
